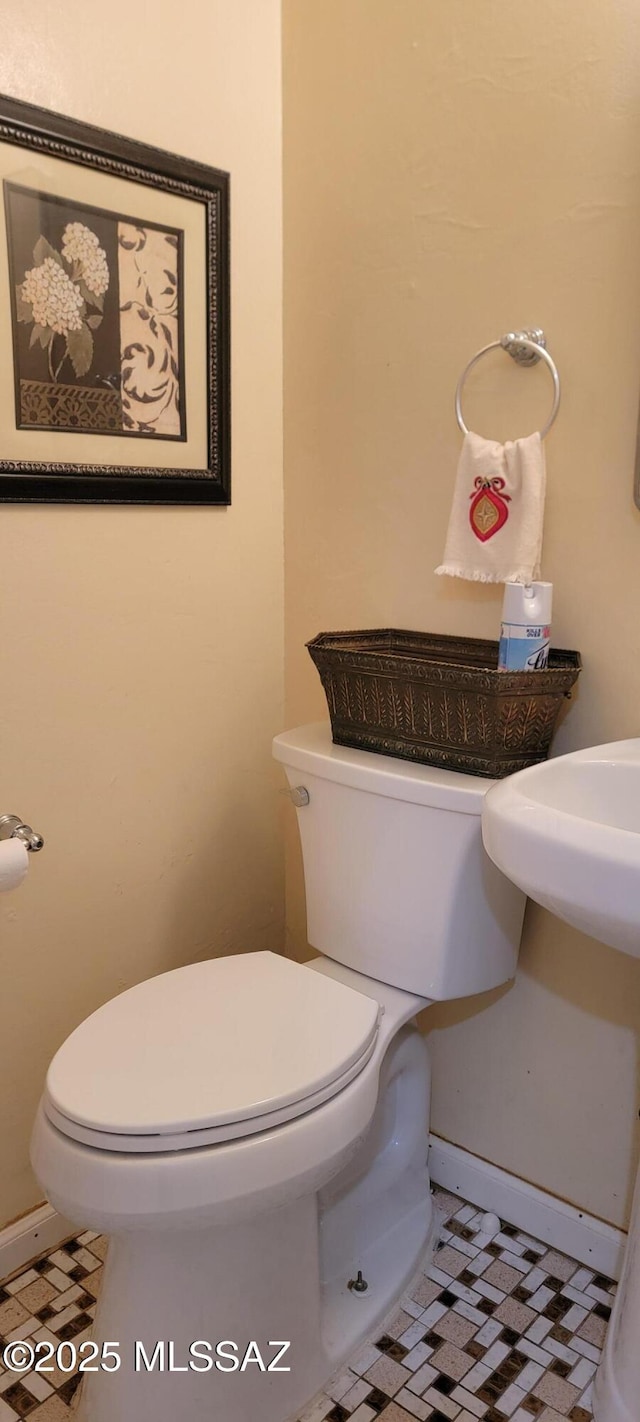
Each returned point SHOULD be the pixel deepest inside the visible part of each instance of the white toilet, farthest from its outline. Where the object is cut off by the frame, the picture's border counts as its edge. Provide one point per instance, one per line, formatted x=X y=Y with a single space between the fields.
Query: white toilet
x=252 y=1132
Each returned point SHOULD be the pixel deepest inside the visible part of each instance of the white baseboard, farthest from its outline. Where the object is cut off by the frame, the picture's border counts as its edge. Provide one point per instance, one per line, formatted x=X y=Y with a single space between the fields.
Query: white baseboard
x=42 y=1229
x=583 y=1237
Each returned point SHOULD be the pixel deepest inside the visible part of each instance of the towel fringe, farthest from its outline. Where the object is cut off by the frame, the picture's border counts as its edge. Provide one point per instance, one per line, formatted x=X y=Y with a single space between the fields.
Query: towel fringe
x=473 y=575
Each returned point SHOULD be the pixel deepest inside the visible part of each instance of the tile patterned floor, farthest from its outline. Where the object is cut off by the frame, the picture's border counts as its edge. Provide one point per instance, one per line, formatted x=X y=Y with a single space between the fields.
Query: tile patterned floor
x=54 y=1300
x=498 y=1328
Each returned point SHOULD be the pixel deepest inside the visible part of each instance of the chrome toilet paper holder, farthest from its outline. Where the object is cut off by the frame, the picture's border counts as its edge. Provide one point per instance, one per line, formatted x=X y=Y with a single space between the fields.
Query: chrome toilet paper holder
x=12 y=827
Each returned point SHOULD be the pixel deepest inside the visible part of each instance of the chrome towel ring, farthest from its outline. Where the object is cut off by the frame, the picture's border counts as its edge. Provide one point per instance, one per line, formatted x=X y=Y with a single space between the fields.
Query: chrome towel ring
x=526 y=348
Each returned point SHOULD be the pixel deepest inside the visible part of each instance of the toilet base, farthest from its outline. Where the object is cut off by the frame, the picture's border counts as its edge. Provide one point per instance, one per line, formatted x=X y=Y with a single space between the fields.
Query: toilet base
x=256 y=1286
x=279 y=1277
x=388 y=1266
x=249 y=1284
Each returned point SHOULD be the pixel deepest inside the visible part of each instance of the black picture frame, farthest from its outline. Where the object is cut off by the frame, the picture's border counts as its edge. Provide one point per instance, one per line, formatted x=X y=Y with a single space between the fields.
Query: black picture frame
x=50 y=481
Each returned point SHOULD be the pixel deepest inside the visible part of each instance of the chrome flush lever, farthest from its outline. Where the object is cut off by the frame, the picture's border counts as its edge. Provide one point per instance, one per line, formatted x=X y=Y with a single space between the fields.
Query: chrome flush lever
x=12 y=827
x=299 y=796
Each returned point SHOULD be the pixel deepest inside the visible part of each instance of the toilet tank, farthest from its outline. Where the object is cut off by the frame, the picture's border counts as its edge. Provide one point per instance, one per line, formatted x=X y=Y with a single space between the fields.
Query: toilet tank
x=398 y=884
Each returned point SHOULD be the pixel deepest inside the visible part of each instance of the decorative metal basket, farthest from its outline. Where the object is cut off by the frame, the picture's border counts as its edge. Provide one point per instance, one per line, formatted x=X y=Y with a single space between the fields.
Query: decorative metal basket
x=440 y=700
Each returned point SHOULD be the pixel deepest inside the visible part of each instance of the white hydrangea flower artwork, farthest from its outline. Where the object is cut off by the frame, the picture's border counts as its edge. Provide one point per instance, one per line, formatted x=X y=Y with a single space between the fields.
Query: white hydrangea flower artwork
x=80 y=245
x=55 y=299
x=62 y=294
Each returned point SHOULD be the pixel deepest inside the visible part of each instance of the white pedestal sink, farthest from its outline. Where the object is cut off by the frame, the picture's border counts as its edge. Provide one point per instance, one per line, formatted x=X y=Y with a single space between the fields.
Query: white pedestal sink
x=568 y=833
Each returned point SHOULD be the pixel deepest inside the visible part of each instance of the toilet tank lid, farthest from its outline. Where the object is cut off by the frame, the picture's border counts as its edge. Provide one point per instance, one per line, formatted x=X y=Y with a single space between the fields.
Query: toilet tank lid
x=311 y=750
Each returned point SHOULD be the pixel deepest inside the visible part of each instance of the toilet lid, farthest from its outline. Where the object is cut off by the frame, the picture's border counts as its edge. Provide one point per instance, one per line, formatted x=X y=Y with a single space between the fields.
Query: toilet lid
x=211 y=1045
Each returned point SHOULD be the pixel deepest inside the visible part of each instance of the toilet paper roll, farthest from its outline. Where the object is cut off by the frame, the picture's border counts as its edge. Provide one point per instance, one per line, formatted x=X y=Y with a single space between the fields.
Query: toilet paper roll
x=14 y=862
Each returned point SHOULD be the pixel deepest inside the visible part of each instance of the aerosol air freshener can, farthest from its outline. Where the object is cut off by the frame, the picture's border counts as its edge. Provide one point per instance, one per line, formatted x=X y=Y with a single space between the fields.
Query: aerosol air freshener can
x=526 y=627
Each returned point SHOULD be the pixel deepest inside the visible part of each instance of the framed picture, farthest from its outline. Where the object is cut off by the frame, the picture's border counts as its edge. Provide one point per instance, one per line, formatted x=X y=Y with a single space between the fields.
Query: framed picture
x=114 y=318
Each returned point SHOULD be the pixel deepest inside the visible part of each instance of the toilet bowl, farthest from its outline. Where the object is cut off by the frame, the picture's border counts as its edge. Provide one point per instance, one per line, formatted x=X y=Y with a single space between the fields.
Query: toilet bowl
x=252 y=1132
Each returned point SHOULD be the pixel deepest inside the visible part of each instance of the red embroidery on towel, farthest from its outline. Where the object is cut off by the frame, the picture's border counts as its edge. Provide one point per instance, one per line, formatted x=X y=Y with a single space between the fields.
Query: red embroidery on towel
x=489 y=510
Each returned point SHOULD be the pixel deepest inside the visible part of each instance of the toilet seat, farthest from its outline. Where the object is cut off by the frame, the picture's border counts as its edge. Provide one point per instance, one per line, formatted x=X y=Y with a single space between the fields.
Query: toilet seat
x=209 y=1053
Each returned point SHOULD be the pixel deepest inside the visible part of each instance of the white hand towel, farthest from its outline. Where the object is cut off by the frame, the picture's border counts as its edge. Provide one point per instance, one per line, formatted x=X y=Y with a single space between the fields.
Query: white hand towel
x=495 y=528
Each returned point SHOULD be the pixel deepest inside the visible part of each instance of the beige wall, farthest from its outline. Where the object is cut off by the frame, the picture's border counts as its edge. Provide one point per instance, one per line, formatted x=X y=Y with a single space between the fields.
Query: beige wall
x=452 y=170
x=141 y=649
